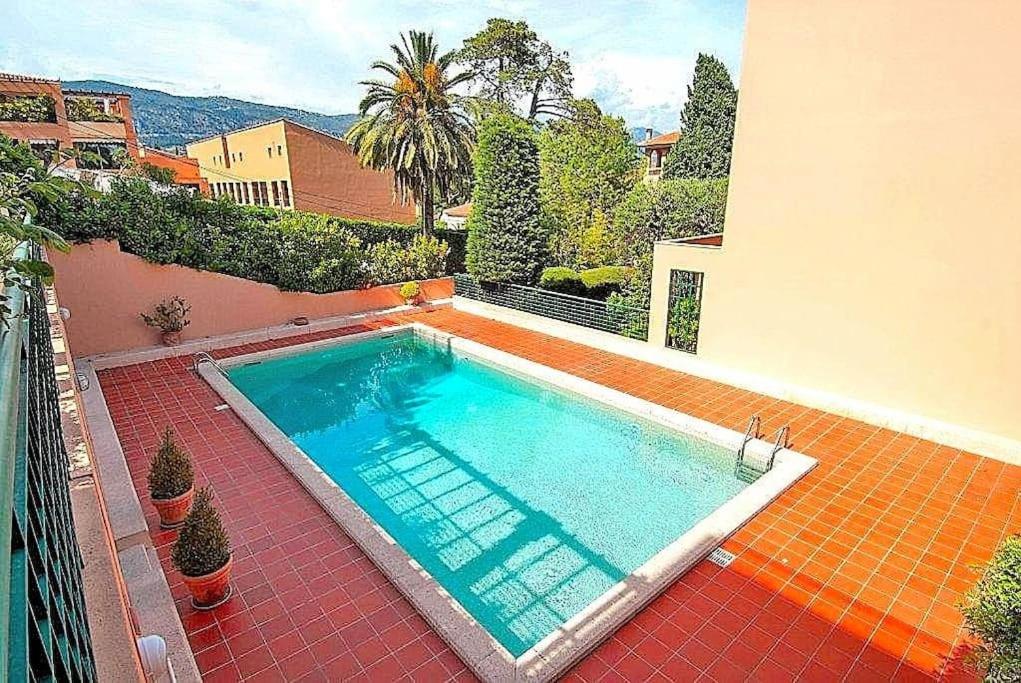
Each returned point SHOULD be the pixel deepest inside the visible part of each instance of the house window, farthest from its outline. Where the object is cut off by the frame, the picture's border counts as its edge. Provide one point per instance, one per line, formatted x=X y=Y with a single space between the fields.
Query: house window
x=285 y=193
x=241 y=156
x=684 y=309
x=263 y=194
x=280 y=150
x=276 y=194
x=269 y=151
x=244 y=192
x=233 y=157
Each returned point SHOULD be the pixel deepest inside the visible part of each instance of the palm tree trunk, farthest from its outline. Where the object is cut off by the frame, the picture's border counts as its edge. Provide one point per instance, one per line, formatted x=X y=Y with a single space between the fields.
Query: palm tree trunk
x=428 y=211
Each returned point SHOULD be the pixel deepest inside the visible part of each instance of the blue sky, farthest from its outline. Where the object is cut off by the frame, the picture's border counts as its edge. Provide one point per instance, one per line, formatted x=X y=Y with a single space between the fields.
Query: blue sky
x=633 y=57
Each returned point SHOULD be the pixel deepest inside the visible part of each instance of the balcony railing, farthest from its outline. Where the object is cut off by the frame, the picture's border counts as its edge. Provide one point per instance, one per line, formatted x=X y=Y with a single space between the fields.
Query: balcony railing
x=44 y=634
x=598 y=315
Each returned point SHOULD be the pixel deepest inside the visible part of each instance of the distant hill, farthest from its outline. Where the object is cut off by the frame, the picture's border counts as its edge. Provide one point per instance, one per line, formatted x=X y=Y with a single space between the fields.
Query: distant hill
x=165 y=120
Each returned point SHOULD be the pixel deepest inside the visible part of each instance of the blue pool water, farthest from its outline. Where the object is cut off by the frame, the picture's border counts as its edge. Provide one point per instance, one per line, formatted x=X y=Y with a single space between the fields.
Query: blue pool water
x=525 y=502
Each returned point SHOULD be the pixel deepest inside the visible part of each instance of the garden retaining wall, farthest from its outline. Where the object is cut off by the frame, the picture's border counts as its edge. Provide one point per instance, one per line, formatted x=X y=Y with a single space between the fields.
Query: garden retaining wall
x=105 y=289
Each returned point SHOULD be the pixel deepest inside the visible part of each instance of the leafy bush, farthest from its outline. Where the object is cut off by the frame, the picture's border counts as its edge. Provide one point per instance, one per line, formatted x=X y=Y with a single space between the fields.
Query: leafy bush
x=668 y=209
x=992 y=612
x=410 y=290
x=291 y=249
x=33 y=109
x=202 y=546
x=170 y=471
x=561 y=279
x=600 y=283
x=169 y=315
x=87 y=109
x=318 y=255
x=391 y=261
x=505 y=240
x=682 y=324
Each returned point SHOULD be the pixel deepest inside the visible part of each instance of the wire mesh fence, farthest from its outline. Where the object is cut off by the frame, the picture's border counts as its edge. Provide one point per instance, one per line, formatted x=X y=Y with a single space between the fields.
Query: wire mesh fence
x=605 y=316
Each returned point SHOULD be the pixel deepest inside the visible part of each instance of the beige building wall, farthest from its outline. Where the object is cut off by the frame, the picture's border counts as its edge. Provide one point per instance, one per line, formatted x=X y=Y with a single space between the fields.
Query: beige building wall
x=872 y=246
x=245 y=156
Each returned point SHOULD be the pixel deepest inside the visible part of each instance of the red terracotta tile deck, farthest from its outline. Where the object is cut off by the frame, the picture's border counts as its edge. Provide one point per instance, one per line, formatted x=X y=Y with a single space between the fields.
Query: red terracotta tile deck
x=852 y=574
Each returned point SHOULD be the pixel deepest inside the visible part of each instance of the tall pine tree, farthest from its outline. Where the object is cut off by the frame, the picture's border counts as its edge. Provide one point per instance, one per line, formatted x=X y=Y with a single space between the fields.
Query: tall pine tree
x=707 y=124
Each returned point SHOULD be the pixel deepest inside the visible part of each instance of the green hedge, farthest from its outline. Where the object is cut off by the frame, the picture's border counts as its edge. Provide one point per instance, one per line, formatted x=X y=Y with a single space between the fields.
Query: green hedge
x=294 y=250
x=601 y=282
x=561 y=279
x=594 y=283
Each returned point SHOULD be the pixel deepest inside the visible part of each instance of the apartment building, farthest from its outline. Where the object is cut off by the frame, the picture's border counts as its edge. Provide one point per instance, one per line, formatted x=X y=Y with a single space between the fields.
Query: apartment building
x=869 y=263
x=290 y=166
x=40 y=113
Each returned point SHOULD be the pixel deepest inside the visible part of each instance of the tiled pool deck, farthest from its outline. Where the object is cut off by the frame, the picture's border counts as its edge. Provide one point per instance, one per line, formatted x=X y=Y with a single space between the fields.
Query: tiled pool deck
x=852 y=574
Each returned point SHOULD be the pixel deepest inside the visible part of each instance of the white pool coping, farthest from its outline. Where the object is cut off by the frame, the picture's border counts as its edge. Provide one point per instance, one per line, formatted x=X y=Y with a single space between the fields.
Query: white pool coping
x=579 y=635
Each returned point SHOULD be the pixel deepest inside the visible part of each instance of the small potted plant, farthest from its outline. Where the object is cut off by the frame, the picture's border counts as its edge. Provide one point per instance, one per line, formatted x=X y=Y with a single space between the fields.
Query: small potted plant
x=411 y=293
x=170 y=316
x=171 y=482
x=202 y=554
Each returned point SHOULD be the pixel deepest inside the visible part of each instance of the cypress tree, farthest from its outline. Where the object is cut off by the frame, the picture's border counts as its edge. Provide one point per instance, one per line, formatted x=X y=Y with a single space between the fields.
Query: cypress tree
x=707 y=124
x=505 y=240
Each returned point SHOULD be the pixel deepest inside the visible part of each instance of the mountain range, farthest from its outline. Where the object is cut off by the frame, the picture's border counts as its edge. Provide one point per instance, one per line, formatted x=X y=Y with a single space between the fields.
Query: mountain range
x=166 y=121
x=170 y=121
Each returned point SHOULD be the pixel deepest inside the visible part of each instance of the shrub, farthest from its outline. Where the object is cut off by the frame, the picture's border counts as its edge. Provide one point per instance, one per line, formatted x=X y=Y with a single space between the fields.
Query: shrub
x=318 y=255
x=600 y=283
x=391 y=261
x=170 y=471
x=992 y=612
x=170 y=225
x=682 y=324
x=561 y=279
x=202 y=546
x=505 y=240
x=410 y=290
x=31 y=109
x=169 y=315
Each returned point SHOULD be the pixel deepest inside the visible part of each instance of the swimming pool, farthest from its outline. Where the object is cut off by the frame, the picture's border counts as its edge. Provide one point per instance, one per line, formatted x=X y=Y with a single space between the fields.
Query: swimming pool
x=524 y=501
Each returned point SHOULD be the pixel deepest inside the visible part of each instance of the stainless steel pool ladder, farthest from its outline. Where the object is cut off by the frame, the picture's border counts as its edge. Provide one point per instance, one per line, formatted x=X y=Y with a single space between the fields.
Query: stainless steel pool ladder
x=203 y=357
x=747 y=471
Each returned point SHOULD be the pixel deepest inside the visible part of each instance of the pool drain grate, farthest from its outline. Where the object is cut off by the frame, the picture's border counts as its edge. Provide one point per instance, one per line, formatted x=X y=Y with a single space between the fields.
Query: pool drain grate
x=721 y=557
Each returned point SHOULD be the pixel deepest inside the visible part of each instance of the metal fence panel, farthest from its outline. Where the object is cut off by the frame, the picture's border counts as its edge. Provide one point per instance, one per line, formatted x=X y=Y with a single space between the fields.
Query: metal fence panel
x=592 y=313
x=684 y=310
x=45 y=634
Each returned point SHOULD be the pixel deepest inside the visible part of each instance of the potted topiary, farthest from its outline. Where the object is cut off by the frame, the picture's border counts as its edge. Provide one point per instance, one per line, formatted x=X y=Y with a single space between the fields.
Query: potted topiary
x=171 y=317
x=202 y=554
x=171 y=482
x=411 y=293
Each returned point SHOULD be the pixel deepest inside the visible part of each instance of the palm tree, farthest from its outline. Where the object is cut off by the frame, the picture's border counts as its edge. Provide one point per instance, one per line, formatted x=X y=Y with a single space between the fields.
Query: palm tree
x=414 y=124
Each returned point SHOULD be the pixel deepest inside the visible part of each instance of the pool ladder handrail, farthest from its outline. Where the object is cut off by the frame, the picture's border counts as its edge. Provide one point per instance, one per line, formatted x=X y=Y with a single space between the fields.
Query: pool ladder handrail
x=751 y=432
x=203 y=357
x=782 y=442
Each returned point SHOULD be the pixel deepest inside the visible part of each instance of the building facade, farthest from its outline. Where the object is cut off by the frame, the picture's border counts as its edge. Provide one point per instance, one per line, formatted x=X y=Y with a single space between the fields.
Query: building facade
x=655 y=148
x=186 y=169
x=871 y=250
x=286 y=165
x=98 y=126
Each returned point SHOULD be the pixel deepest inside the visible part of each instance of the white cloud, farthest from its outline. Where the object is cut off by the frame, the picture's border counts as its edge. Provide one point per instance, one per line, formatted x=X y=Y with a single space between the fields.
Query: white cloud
x=644 y=89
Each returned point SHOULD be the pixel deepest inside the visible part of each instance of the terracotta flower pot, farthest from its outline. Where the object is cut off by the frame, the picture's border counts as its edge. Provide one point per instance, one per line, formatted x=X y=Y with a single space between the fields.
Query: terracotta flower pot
x=210 y=590
x=174 y=510
x=171 y=338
